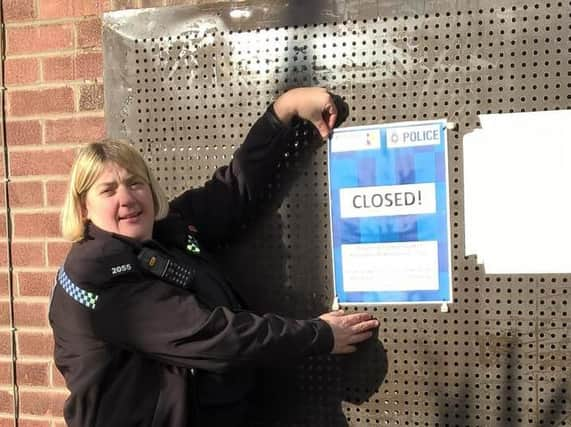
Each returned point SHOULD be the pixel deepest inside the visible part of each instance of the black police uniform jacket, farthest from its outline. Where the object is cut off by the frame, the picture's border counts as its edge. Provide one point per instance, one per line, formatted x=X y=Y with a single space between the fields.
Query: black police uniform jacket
x=137 y=349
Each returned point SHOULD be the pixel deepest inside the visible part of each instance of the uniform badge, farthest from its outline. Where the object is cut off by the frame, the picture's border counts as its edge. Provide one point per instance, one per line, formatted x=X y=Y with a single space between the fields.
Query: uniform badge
x=192 y=245
x=118 y=269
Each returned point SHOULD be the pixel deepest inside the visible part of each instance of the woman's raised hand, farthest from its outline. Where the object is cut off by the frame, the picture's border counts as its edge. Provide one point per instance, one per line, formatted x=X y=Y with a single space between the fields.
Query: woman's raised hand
x=349 y=329
x=314 y=104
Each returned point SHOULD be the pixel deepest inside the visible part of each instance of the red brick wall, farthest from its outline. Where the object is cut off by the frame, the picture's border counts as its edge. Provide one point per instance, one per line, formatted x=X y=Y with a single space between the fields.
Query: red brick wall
x=54 y=103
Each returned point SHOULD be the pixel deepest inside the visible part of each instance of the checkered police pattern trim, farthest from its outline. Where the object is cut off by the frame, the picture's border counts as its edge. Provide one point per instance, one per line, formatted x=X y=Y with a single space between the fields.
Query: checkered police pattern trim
x=83 y=297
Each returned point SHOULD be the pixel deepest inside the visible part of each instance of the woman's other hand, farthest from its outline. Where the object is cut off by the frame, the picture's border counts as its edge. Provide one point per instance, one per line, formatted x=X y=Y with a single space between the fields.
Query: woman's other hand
x=349 y=329
x=314 y=104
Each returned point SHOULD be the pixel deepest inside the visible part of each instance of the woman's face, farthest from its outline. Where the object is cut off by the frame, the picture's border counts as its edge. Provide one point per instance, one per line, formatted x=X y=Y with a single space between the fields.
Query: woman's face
x=121 y=203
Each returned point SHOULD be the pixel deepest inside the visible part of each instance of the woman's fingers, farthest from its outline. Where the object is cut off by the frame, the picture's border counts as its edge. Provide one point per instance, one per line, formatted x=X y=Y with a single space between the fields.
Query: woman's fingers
x=331 y=112
x=315 y=104
x=358 y=318
x=365 y=326
x=349 y=329
x=329 y=115
x=325 y=116
x=322 y=128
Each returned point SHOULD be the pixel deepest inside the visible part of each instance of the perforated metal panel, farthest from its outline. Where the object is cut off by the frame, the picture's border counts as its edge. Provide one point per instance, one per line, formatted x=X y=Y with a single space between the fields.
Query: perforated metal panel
x=186 y=83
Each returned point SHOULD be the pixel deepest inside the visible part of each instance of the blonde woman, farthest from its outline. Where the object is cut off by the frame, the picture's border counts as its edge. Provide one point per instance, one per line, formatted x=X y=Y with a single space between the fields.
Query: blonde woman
x=147 y=331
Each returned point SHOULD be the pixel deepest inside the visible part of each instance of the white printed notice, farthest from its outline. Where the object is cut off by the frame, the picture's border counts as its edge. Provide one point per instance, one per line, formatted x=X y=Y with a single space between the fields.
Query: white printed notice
x=389 y=213
x=399 y=266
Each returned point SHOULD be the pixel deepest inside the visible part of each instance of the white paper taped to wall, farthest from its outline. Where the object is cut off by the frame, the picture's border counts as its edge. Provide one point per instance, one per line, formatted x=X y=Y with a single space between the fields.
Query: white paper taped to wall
x=517 y=171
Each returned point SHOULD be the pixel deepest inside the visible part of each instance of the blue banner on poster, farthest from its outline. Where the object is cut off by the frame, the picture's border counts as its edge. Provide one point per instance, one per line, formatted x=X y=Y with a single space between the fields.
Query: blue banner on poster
x=388 y=187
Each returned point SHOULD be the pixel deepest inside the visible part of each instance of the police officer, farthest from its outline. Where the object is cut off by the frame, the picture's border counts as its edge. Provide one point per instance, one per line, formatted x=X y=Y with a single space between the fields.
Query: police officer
x=147 y=331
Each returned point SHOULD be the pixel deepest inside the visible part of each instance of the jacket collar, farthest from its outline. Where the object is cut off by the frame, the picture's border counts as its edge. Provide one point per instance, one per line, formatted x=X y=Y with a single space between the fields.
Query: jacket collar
x=165 y=233
x=92 y=232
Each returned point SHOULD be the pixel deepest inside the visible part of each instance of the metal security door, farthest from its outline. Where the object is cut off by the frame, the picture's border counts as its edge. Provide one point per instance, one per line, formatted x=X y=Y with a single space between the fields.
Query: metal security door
x=186 y=83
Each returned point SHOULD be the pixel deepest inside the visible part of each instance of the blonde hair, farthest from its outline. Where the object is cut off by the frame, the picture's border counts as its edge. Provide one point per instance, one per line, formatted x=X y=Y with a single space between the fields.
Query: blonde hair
x=88 y=165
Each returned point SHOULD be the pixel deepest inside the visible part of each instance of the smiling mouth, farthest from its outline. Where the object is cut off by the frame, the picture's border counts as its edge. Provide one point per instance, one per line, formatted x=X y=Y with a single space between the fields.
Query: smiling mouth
x=130 y=216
